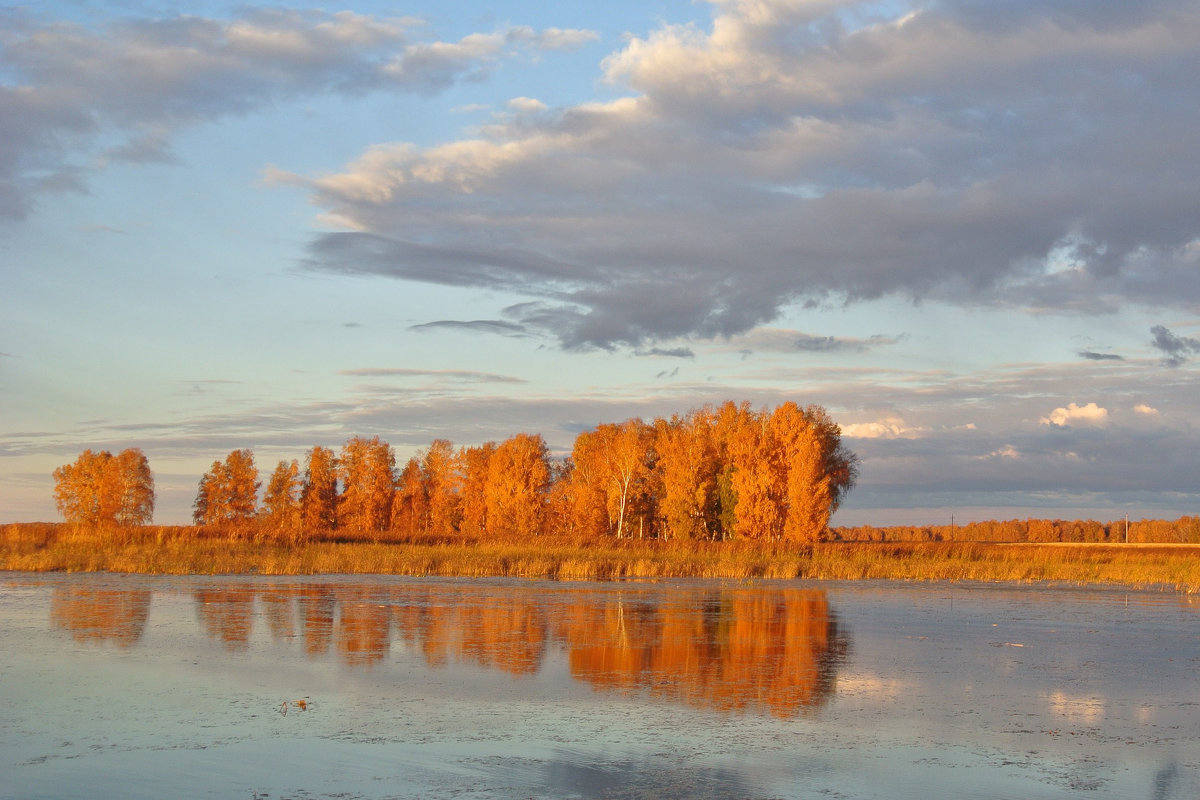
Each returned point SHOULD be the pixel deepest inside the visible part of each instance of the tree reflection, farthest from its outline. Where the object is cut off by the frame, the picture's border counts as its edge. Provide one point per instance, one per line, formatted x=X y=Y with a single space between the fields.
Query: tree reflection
x=773 y=651
x=740 y=650
x=112 y=615
x=227 y=614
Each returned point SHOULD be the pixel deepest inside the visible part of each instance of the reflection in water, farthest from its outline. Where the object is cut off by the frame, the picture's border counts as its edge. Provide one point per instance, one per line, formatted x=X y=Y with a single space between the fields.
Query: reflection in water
x=101 y=614
x=227 y=614
x=734 y=650
x=730 y=650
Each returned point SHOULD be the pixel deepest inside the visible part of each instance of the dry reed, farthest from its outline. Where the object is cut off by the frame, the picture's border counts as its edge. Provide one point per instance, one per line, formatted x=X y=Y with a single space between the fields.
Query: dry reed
x=185 y=550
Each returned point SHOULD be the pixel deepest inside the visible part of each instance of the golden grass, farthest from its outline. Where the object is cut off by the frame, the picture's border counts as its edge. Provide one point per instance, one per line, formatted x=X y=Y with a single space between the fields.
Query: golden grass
x=185 y=550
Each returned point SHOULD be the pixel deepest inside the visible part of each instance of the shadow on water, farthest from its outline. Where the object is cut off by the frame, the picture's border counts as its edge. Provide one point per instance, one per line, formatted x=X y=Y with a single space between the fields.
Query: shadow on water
x=754 y=650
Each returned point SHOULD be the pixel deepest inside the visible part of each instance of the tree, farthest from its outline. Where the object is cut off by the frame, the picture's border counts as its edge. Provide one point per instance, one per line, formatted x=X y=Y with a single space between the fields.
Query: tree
x=410 y=507
x=135 y=488
x=588 y=486
x=440 y=470
x=98 y=488
x=475 y=463
x=757 y=478
x=687 y=470
x=318 y=494
x=625 y=449
x=808 y=496
x=367 y=472
x=228 y=492
x=281 y=501
x=518 y=477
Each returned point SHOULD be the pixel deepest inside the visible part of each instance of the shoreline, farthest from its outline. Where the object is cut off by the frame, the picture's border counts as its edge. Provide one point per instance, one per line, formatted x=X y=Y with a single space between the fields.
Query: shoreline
x=179 y=551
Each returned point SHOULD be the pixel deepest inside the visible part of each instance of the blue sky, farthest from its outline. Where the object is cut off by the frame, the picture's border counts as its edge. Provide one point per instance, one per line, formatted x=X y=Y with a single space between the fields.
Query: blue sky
x=970 y=230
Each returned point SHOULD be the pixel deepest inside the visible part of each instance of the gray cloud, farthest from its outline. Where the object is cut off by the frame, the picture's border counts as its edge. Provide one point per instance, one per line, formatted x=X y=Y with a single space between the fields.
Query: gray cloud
x=64 y=87
x=1176 y=349
x=1091 y=355
x=1039 y=158
x=668 y=352
x=495 y=326
x=781 y=340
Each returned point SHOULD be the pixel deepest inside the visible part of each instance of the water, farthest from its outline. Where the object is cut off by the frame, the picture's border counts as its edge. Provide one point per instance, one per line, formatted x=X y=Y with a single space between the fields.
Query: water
x=149 y=687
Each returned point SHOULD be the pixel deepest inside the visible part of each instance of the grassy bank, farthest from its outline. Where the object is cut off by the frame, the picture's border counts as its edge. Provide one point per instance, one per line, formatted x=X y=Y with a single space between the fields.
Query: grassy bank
x=181 y=550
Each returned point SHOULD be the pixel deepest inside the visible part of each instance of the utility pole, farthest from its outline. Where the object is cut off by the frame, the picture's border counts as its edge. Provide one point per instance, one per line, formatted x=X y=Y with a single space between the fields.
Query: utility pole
x=1126 y=527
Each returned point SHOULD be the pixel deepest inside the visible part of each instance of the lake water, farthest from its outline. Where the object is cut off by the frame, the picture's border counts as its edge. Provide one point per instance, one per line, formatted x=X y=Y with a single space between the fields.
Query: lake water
x=351 y=687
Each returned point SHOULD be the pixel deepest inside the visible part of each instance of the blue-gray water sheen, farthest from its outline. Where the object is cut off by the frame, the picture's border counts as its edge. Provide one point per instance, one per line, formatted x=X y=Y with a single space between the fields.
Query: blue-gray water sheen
x=349 y=687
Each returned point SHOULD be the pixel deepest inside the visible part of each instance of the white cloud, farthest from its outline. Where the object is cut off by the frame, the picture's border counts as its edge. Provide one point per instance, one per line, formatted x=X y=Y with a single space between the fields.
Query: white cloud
x=1145 y=410
x=1075 y=415
x=888 y=428
x=1007 y=451
x=526 y=104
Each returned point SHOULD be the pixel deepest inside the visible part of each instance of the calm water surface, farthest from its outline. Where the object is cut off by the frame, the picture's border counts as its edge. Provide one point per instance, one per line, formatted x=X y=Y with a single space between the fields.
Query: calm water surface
x=148 y=687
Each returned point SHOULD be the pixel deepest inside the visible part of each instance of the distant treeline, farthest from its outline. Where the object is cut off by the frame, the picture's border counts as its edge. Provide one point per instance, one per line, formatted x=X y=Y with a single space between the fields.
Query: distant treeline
x=1185 y=530
x=730 y=472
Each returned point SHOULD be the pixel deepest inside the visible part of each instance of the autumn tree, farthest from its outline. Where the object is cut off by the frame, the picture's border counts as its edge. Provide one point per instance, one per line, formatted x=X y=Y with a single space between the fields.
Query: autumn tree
x=228 y=492
x=587 y=486
x=318 y=493
x=808 y=493
x=99 y=488
x=474 y=462
x=366 y=469
x=518 y=477
x=442 y=476
x=757 y=479
x=625 y=449
x=410 y=506
x=687 y=472
x=281 y=501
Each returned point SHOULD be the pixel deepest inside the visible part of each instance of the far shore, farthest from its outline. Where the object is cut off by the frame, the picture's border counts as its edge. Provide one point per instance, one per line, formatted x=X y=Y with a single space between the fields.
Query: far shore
x=44 y=547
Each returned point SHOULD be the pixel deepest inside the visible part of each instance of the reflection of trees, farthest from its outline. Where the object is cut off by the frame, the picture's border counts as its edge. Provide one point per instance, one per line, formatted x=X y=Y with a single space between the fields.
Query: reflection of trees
x=775 y=651
x=101 y=614
x=318 y=606
x=507 y=633
x=227 y=614
x=364 y=631
x=730 y=650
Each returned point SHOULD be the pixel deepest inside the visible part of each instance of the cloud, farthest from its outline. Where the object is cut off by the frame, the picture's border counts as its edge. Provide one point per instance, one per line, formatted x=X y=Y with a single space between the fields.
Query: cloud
x=780 y=155
x=526 y=104
x=1075 y=415
x=889 y=428
x=782 y=340
x=1094 y=356
x=1175 y=349
x=450 y=374
x=1145 y=410
x=495 y=326
x=554 y=38
x=66 y=87
x=668 y=352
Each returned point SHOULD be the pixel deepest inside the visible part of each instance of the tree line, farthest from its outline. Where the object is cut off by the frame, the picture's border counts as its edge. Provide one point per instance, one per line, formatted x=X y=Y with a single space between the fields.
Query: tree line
x=713 y=473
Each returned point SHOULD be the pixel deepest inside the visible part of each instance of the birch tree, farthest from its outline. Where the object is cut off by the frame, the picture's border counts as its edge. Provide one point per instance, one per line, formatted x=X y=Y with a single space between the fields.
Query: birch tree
x=366 y=469
x=99 y=488
x=318 y=493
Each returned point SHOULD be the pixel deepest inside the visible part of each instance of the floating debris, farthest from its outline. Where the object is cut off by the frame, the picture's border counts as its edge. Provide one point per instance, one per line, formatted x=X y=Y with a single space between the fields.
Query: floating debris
x=301 y=704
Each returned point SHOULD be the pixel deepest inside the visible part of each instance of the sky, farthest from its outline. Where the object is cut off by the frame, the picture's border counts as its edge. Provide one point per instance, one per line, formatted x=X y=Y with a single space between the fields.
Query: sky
x=970 y=230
